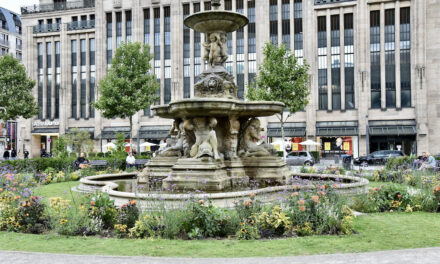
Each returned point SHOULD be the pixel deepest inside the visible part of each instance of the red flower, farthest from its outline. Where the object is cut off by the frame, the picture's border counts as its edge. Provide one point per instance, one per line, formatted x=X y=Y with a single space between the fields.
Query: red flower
x=92 y=203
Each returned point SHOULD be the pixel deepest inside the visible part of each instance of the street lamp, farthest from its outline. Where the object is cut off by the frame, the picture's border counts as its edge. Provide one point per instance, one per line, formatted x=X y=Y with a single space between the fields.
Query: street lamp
x=367 y=135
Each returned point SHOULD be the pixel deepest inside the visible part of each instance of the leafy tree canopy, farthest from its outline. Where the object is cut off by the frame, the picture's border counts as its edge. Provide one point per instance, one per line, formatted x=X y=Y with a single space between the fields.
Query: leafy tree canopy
x=16 y=97
x=78 y=140
x=128 y=86
x=281 y=78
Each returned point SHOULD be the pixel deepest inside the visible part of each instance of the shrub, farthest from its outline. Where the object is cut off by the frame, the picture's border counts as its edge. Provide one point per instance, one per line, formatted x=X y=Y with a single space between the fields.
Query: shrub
x=248 y=231
x=320 y=212
x=247 y=209
x=395 y=198
x=31 y=217
x=400 y=163
x=205 y=220
x=147 y=226
x=128 y=214
x=273 y=223
x=102 y=209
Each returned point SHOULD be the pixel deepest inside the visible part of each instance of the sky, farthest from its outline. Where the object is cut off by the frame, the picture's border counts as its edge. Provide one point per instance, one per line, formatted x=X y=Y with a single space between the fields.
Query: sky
x=14 y=5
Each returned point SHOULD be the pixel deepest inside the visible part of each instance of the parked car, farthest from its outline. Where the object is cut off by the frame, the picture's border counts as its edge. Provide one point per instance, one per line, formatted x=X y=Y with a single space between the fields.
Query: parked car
x=377 y=158
x=300 y=158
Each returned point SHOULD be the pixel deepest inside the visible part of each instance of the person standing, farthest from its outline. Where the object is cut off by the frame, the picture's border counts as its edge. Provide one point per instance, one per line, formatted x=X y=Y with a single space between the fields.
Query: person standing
x=26 y=154
x=6 y=155
x=13 y=154
x=130 y=160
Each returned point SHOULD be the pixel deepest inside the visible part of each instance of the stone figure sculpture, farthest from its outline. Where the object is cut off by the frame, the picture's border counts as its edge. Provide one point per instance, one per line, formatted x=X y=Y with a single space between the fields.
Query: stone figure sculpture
x=176 y=148
x=206 y=139
x=231 y=137
x=215 y=53
x=250 y=135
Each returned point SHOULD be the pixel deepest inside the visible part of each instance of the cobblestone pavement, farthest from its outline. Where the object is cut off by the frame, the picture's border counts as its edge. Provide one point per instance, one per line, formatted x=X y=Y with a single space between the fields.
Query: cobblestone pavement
x=408 y=256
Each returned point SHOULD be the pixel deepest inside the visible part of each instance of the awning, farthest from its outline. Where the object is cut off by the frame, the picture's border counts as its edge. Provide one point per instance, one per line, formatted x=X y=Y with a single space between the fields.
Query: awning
x=45 y=130
x=111 y=132
x=290 y=129
x=337 y=128
x=91 y=130
x=392 y=127
x=154 y=132
x=392 y=130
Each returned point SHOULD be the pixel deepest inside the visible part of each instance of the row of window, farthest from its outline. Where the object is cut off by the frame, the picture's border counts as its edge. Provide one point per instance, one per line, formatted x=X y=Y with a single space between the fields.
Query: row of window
x=390 y=58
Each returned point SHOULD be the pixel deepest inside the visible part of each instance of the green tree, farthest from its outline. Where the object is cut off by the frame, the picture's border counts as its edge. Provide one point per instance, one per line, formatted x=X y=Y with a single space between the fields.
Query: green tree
x=128 y=86
x=16 y=99
x=60 y=147
x=79 y=140
x=281 y=78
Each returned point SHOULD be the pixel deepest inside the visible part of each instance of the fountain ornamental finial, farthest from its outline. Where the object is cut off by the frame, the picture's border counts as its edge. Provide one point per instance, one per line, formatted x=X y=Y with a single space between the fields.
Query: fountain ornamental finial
x=215 y=4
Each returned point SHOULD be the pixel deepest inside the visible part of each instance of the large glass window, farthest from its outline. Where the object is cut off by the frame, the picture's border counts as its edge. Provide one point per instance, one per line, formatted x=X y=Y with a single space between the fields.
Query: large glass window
x=375 y=59
x=74 y=78
x=405 y=57
x=336 y=62
x=83 y=96
x=298 y=31
x=57 y=78
x=49 y=80
x=186 y=55
x=128 y=25
x=118 y=29
x=390 y=63
x=157 y=59
x=40 y=80
x=240 y=52
x=349 y=61
x=167 y=54
x=92 y=48
x=147 y=26
x=197 y=49
x=285 y=23
x=273 y=21
x=109 y=39
x=252 y=55
x=322 y=63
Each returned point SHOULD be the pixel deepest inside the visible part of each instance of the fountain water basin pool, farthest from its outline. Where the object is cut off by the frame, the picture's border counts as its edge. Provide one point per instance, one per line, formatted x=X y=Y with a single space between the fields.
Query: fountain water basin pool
x=116 y=186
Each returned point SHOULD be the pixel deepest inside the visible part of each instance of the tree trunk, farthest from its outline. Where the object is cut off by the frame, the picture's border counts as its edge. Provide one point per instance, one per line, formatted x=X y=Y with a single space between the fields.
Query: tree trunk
x=283 y=145
x=131 y=128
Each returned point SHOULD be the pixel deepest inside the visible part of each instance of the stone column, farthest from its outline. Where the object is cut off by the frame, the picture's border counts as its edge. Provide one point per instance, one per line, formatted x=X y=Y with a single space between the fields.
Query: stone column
x=65 y=82
x=191 y=52
x=162 y=55
x=279 y=20
x=78 y=83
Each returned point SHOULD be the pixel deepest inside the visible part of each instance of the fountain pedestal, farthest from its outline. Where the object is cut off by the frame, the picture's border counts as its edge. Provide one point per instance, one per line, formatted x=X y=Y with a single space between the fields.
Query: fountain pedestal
x=216 y=135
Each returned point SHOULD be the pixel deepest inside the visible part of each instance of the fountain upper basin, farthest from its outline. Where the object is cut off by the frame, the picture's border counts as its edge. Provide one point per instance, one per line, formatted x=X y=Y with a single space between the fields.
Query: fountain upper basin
x=216 y=21
x=199 y=107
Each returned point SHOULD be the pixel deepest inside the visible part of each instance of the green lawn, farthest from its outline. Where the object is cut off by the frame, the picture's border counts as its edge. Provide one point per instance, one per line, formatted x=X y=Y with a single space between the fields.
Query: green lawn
x=62 y=190
x=373 y=184
x=385 y=231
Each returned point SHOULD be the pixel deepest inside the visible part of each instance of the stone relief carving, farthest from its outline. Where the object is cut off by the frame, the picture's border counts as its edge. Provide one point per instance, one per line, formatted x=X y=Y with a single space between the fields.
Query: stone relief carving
x=250 y=134
x=206 y=140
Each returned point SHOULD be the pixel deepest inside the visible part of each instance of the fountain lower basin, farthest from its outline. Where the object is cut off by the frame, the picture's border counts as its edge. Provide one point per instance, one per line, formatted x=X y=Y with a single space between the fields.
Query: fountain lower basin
x=347 y=185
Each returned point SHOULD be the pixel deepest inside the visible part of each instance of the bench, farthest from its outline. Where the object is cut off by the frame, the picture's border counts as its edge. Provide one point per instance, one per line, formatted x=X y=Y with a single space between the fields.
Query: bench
x=140 y=163
x=437 y=166
x=98 y=164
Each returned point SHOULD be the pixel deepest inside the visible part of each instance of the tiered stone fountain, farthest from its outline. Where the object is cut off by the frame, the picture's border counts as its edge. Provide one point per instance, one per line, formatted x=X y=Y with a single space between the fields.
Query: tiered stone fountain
x=216 y=137
x=215 y=142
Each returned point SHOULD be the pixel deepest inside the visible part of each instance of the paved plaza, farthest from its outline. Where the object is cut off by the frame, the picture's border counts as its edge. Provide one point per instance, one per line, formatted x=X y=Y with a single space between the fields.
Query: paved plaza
x=408 y=256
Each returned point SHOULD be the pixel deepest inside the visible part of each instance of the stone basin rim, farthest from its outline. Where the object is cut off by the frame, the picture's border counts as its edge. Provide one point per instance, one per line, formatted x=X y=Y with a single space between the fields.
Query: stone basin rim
x=234 y=21
x=110 y=187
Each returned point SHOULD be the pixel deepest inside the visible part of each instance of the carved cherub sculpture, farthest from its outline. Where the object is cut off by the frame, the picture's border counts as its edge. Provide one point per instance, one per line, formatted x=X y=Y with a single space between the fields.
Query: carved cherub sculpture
x=214 y=50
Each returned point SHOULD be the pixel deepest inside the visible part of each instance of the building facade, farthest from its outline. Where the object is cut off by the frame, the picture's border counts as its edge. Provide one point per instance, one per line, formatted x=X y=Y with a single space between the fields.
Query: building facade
x=10 y=43
x=373 y=69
